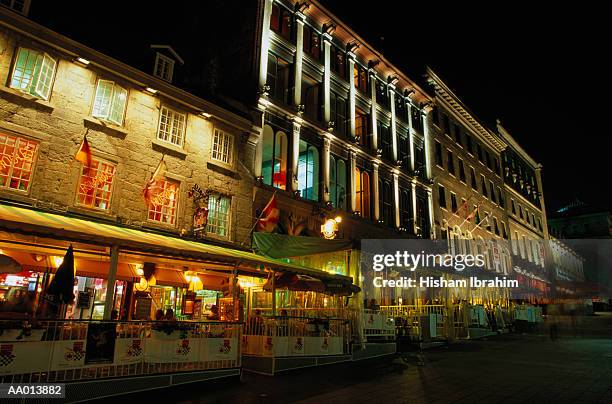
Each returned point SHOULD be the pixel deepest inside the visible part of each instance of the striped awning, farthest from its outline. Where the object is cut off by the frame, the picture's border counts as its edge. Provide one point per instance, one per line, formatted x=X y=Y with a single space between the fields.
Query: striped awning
x=34 y=222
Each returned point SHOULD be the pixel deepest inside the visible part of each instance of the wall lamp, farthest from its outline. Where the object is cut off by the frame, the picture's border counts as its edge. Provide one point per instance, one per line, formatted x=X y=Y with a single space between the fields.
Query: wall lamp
x=151 y=90
x=82 y=61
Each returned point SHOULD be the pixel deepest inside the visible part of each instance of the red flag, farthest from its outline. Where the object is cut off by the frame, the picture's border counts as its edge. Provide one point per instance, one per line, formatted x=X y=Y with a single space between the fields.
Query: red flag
x=464 y=206
x=472 y=215
x=83 y=155
x=269 y=216
x=158 y=175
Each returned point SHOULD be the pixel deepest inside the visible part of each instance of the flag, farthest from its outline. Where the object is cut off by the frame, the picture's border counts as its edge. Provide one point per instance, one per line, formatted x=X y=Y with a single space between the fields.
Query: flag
x=464 y=206
x=158 y=175
x=486 y=218
x=83 y=155
x=472 y=215
x=269 y=216
x=62 y=285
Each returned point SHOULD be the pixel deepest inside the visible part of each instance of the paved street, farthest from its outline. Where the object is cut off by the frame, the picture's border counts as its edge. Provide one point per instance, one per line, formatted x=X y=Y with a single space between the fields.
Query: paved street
x=511 y=368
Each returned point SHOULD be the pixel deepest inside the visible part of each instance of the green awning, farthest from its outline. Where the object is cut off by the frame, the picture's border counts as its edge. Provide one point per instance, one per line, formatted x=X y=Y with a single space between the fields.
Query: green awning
x=275 y=245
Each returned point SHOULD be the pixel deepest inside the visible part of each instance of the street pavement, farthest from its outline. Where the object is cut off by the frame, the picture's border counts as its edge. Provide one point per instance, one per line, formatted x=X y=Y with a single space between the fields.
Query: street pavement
x=511 y=368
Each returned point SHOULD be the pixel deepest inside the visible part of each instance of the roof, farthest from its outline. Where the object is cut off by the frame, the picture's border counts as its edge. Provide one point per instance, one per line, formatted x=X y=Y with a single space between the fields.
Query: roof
x=34 y=222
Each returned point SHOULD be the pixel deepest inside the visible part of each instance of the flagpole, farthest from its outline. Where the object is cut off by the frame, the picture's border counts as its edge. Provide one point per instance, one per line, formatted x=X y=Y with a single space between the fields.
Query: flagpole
x=261 y=214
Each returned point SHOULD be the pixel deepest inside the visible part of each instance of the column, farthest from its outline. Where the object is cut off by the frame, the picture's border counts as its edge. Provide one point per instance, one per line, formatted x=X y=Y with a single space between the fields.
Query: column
x=427 y=137
x=295 y=155
x=326 y=155
x=299 y=52
x=414 y=205
x=375 y=190
x=352 y=167
x=265 y=44
x=410 y=135
x=540 y=189
x=374 y=129
x=396 y=194
x=110 y=282
x=326 y=78
x=432 y=230
x=391 y=89
x=351 y=65
x=259 y=148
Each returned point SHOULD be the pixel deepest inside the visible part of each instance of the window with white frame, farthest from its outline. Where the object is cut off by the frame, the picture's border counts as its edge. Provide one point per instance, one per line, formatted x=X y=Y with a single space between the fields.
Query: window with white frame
x=218 y=215
x=96 y=185
x=222 y=147
x=171 y=126
x=164 y=201
x=16 y=162
x=164 y=67
x=21 y=6
x=109 y=102
x=33 y=73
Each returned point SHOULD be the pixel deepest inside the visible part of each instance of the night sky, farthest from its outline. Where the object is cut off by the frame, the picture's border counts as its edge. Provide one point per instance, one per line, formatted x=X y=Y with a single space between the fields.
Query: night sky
x=541 y=72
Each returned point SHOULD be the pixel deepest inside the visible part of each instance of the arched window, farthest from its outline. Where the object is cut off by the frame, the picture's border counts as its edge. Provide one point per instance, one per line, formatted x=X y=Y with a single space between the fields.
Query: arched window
x=274 y=158
x=308 y=171
x=337 y=182
x=362 y=193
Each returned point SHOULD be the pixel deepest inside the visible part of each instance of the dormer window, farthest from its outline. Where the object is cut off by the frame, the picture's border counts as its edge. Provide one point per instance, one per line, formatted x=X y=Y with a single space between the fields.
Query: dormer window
x=20 y=6
x=164 y=67
x=165 y=61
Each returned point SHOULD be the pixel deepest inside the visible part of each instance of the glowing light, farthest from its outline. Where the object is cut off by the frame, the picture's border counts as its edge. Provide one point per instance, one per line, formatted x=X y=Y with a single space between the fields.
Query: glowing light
x=58 y=261
x=205 y=114
x=245 y=284
x=151 y=90
x=338 y=219
x=329 y=229
x=82 y=61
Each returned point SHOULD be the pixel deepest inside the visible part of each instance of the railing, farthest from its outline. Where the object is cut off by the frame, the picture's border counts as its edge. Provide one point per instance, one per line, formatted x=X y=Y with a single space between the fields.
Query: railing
x=419 y=322
x=57 y=351
x=295 y=336
x=377 y=325
x=319 y=312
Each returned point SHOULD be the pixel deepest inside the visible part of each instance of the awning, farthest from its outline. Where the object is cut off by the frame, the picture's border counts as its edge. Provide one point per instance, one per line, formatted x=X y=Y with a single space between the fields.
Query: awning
x=283 y=246
x=94 y=269
x=29 y=221
x=168 y=277
x=290 y=281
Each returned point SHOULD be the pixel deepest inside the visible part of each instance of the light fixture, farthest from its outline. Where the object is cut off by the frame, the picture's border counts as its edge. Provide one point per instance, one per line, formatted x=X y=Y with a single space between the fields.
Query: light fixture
x=58 y=261
x=205 y=114
x=82 y=61
x=151 y=90
x=338 y=219
x=330 y=228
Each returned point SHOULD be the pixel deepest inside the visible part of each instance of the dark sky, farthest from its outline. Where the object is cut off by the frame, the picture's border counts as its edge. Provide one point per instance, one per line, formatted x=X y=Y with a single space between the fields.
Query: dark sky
x=541 y=71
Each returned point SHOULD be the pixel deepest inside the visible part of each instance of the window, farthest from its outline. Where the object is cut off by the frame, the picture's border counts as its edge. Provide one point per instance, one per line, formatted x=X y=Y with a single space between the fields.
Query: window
x=361 y=128
x=362 y=193
x=417 y=119
x=338 y=61
x=504 y=231
x=222 y=147
x=404 y=149
x=400 y=107
x=311 y=42
x=405 y=209
x=439 y=154
x=473 y=179
x=21 y=6
x=164 y=201
x=419 y=159
x=488 y=220
x=500 y=197
x=461 y=170
x=422 y=218
x=308 y=171
x=436 y=115
x=457 y=134
x=96 y=185
x=311 y=97
x=386 y=203
x=33 y=73
x=16 y=162
x=446 y=125
x=496 y=226
x=274 y=158
x=488 y=160
x=360 y=78
x=441 y=196
x=337 y=182
x=385 y=140
x=171 y=126
x=382 y=96
x=454 y=206
x=164 y=67
x=492 y=188
x=496 y=162
x=479 y=153
x=278 y=78
x=109 y=102
x=338 y=112
x=468 y=144
x=513 y=206
x=450 y=162
x=218 y=215
x=483 y=185
x=280 y=21
x=477 y=214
